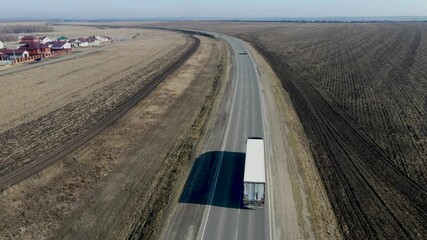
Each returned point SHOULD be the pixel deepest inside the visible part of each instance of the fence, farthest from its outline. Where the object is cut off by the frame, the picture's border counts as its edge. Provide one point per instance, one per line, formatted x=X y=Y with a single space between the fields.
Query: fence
x=40 y=56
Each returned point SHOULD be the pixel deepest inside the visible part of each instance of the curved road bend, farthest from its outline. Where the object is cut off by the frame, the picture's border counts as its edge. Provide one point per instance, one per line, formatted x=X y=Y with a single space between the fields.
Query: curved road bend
x=221 y=215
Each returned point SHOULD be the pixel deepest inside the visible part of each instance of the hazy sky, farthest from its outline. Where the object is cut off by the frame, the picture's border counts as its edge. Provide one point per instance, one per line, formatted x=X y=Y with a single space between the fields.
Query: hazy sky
x=204 y=8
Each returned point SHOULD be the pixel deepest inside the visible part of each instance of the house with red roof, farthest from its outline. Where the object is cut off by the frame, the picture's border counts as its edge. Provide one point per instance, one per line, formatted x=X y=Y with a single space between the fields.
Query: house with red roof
x=28 y=39
x=35 y=48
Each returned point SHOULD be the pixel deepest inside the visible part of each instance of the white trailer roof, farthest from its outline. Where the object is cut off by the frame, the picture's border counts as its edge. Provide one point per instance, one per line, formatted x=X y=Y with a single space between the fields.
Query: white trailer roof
x=255 y=161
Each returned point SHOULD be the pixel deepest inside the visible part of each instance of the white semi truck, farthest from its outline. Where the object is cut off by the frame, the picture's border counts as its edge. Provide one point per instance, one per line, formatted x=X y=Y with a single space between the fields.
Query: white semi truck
x=254 y=177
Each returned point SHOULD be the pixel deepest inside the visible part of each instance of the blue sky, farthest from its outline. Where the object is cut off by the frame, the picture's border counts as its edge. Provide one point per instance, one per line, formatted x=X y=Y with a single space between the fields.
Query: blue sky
x=203 y=8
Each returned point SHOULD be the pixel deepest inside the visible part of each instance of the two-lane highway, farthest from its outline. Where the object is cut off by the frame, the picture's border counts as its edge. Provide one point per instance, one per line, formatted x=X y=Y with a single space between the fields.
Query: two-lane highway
x=225 y=217
x=211 y=205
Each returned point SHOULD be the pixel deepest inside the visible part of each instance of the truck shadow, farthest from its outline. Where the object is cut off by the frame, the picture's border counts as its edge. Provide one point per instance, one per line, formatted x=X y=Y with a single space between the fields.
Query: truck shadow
x=229 y=186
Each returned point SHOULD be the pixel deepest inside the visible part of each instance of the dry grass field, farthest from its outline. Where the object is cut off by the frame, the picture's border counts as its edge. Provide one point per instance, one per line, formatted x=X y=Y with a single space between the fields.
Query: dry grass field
x=360 y=91
x=40 y=90
x=46 y=106
x=119 y=169
x=72 y=31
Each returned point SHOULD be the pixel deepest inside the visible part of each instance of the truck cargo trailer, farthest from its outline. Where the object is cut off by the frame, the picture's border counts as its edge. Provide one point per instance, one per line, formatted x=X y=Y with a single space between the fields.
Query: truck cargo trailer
x=254 y=177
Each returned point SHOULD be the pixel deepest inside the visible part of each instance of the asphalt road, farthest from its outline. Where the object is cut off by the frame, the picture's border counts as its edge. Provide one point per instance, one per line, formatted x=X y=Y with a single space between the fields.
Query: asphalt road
x=210 y=205
x=225 y=217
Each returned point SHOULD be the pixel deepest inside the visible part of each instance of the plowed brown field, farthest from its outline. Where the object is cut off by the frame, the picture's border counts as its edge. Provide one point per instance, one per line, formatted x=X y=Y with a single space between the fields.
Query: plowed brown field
x=360 y=91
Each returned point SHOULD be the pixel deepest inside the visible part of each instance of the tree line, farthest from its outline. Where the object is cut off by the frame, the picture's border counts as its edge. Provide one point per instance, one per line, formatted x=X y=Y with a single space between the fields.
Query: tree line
x=16 y=29
x=8 y=32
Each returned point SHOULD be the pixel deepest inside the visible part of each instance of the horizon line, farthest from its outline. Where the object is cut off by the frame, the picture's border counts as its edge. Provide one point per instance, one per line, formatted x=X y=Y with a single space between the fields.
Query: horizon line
x=209 y=18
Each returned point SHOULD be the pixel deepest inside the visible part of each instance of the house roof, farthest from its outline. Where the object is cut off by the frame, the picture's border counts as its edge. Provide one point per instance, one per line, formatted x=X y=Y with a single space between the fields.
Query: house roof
x=29 y=38
x=11 y=51
x=58 y=44
x=62 y=38
x=33 y=46
x=82 y=40
x=92 y=39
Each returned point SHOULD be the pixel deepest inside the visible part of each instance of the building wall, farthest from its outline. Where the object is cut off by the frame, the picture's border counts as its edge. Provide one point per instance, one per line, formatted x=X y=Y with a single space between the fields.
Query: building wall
x=18 y=56
x=67 y=46
x=84 y=44
x=46 y=40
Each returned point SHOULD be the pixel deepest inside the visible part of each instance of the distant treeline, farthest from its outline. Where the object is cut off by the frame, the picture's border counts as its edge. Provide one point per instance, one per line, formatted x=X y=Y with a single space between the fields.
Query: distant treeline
x=15 y=29
x=8 y=32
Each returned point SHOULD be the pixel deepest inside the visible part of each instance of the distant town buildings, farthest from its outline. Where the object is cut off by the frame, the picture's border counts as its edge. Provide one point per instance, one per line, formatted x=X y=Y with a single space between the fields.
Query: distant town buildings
x=35 y=48
x=58 y=45
x=29 y=39
x=12 y=54
x=81 y=42
x=32 y=47
x=62 y=39
x=45 y=40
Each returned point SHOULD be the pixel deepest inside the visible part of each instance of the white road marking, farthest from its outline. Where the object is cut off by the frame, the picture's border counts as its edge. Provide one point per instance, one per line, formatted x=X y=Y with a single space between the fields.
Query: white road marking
x=237 y=224
x=223 y=145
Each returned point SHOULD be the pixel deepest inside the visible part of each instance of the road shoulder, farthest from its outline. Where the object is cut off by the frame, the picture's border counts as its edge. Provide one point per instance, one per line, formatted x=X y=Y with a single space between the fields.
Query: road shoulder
x=184 y=219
